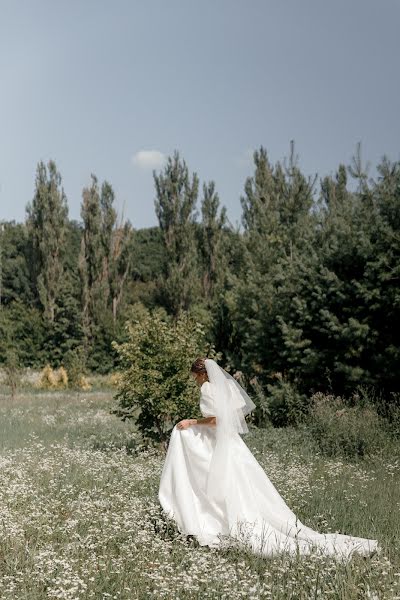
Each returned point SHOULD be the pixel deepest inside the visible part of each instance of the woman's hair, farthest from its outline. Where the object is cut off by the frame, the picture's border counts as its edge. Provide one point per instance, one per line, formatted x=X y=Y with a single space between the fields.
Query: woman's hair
x=199 y=366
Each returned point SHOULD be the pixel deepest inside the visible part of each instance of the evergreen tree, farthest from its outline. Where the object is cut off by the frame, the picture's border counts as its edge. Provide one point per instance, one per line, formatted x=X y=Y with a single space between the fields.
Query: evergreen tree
x=381 y=289
x=306 y=297
x=176 y=198
x=357 y=170
x=278 y=226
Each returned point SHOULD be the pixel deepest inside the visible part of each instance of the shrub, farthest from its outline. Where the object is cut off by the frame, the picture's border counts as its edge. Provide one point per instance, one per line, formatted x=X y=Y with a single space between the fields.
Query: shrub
x=155 y=387
x=286 y=406
x=342 y=430
x=48 y=378
x=83 y=383
x=75 y=363
x=262 y=414
x=62 y=378
x=114 y=379
x=12 y=371
x=53 y=379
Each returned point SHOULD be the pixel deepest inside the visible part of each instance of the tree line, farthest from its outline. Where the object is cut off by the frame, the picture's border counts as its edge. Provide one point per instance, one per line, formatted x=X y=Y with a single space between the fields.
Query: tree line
x=304 y=296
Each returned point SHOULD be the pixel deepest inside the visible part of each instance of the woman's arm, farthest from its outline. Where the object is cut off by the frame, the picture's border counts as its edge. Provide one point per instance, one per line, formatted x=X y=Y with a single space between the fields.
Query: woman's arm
x=205 y=421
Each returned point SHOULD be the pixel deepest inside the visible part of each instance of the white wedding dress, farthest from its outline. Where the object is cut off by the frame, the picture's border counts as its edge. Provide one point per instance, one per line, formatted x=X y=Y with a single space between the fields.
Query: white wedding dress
x=251 y=513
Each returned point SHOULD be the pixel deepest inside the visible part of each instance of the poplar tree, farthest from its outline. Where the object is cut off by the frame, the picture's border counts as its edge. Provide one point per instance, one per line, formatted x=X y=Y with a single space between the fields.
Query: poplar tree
x=211 y=237
x=105 y=256
x=108 y=221
x=47 y=218
x=120 y=264
x=91 y=254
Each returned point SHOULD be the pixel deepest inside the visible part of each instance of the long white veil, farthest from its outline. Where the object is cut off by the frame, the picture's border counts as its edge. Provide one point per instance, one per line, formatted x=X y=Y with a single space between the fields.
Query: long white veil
x=231 y=405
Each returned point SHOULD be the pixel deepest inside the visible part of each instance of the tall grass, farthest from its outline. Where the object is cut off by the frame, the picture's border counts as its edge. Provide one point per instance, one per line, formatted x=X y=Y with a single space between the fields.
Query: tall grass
x=79 y=515
x=341 y=429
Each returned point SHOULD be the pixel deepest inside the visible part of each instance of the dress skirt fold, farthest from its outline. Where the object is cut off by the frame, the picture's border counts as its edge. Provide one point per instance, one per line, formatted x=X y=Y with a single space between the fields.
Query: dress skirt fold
x=252 y=512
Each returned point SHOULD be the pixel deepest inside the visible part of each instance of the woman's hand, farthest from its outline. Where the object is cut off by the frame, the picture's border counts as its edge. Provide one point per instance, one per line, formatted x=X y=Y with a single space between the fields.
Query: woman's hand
x=186 y=423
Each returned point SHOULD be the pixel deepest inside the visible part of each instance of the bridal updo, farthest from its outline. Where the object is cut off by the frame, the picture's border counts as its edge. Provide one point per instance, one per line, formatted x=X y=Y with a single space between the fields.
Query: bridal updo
x=199 y=366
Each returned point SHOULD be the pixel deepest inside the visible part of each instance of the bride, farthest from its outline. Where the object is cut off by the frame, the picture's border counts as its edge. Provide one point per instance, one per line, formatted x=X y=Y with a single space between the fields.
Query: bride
x=214 y=488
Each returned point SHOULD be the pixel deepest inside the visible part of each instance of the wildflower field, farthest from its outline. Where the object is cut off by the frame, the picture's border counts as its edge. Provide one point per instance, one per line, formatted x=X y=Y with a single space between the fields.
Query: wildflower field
x=79 y=514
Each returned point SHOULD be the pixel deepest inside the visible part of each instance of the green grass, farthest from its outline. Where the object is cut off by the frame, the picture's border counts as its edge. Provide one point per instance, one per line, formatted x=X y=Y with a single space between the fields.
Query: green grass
x=79 y=515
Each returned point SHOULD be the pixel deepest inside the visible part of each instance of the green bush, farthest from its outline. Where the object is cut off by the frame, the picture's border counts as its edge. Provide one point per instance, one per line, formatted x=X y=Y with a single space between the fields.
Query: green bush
x=342 y=430
x=155 y=387
x=12 y=371
x=286 y=406
x=262 y=414
x=74 y=362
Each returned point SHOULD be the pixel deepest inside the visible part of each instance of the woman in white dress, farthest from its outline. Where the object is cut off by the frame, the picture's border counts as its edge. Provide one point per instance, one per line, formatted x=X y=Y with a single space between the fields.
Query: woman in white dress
x=215 y=490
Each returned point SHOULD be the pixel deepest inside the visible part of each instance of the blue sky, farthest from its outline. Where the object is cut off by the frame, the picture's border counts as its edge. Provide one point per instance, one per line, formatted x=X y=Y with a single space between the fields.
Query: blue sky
x=113 y=87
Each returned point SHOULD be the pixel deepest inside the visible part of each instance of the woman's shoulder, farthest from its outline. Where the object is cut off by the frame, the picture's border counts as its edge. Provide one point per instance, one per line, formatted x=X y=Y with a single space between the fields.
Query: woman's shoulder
x=206 y=389
x=206 y=399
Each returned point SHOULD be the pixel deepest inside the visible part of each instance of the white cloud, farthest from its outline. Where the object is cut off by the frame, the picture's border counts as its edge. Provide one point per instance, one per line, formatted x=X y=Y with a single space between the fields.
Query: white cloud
x=148 y=159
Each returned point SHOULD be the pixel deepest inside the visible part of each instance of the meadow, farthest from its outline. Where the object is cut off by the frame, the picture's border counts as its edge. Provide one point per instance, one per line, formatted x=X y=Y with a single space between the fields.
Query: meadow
x=80 y=518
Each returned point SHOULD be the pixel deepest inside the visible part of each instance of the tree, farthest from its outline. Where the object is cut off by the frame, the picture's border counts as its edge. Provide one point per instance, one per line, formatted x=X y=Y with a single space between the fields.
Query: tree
x=105 y=261
x=358 y=171
x=211 y=241
x=155 y=388
x=176 y=197
x=380 y=282
x=120 y=264
x=278 y=227
x=91 y=255
x=9 y=352
x=47 y=223
x=15 y=280
x=116 y=238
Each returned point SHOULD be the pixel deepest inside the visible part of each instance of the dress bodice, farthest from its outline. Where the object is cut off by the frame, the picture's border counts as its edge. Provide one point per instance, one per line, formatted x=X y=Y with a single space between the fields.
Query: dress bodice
x=206 y=400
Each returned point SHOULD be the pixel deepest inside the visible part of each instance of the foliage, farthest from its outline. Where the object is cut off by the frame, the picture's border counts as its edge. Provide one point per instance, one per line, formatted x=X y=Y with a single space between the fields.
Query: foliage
x=155 y=388
x=262 y=413
x=53 y=379
x=47 y=224
x=74 y=362
x=307 y=288
x=148 y=255
x=278 y=226
x=62 y=378
x=175 y=203
x=83 y=383
x=105 y=262
x=10 y=353
x=210 y=242
x=79 y=496
x=340 y=429
x=286 y=406
x=22 y=327
x=12 y=371
x=393 y=416
x=318 y=294
x=15 y=282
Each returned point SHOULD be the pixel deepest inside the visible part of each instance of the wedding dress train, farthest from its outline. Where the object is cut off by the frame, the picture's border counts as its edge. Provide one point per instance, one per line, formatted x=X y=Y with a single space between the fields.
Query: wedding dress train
x=251 y=510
